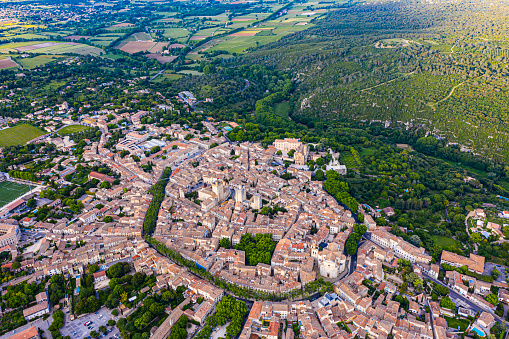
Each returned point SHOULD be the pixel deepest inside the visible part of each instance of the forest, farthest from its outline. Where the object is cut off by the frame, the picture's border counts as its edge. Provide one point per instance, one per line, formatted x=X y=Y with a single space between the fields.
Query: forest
x=406 y=65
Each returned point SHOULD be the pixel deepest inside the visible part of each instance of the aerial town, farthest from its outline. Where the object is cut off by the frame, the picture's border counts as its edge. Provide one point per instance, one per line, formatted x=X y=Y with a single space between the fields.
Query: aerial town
x=254 y=169
x=230 y=219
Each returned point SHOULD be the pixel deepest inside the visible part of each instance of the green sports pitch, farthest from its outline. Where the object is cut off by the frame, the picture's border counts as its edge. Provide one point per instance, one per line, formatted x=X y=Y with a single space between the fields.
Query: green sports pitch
x=9 y=191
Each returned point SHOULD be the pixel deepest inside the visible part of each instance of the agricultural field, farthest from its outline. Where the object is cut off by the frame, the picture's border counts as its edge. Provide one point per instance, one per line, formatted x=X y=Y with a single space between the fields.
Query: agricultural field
x=72 y=129
x=179 y=34
x=120 y=26
x=23 y=36
x=106 y=39
x=161 y=58
x=140 y=36
x=50 y=47
x=7 y=63
x=19 y=135
x=40 y=60
x=191 y=72
x=347 y=159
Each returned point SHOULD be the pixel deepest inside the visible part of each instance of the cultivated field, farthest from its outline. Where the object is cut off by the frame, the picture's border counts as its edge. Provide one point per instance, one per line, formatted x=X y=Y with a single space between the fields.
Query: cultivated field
x=9 y=191
x=161 y=58
x=19 y=135
x=136 y=46
x=37 y=61
x=7 y=63
x=50 y=47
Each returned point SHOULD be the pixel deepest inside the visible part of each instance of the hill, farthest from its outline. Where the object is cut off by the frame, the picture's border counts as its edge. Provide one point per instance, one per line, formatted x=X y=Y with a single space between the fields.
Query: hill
x=433 y=67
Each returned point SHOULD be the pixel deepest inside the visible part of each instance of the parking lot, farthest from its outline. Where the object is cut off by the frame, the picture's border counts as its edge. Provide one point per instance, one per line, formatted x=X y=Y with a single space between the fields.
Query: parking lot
x=77 y=330
x=490 y=266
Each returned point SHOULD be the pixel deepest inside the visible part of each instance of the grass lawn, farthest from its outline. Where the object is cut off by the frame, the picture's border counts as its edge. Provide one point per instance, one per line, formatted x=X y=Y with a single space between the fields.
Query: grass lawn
x=19 y=135
x=454 y=323
x=9 y=191
x=72 y=129
x=445 y=241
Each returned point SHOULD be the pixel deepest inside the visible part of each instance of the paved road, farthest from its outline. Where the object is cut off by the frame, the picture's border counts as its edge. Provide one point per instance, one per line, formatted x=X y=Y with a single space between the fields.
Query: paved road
x=158 y=74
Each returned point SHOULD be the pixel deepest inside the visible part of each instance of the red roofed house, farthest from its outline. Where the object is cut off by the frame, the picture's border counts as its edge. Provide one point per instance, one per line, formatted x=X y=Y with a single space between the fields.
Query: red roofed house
x=100 y=276
x=101 y=177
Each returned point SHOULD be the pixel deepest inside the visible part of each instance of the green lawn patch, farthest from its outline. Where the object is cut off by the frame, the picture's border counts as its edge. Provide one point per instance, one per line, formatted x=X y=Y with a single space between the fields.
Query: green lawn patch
x=73 y=129
x=445 y=241
x=282 y=109
x=454 y=323
x=19 y=135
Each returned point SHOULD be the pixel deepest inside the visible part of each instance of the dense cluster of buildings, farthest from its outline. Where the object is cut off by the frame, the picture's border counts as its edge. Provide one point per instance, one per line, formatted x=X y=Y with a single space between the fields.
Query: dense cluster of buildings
x=218 y=190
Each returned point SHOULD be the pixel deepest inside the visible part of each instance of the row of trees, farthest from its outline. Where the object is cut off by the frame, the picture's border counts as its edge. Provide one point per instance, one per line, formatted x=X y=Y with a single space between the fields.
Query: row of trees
x=355 y=237
x=158 y=193
x=23 y=175
x=318 y=285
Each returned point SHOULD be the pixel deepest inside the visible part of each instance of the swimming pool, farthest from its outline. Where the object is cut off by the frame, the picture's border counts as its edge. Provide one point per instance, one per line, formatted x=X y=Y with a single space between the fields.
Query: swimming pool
x=478 y=331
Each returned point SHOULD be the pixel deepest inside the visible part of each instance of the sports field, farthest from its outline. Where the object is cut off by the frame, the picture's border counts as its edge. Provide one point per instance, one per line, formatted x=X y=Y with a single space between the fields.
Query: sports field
x=9 y=191
x=72 y=129
x=19 y=135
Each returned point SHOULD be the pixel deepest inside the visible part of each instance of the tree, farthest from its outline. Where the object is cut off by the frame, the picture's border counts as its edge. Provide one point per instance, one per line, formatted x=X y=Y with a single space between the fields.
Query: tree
x=138 y=279
x=476 y=237
x=102 y=329
x=111 y=322
x=225 y=243
x=31 y=203
x=446 y=302
x=105 y=184
x=492 y=299
x=115 y=313
x=16 y=265
x=93 y=268
x=495 y=274
x=108 y=218
x=319 y=175
x=94 y=334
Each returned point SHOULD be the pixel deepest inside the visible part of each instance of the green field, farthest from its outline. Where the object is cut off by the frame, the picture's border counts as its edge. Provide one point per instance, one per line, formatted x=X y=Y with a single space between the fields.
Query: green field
x=37 y=61
x=9 y=191
x=282 y=109
x=19 y=135
x=180 y=34
x=24 y=36
x=347 y=159
x=445 y=241
x=72 y=129
x=187 y=71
